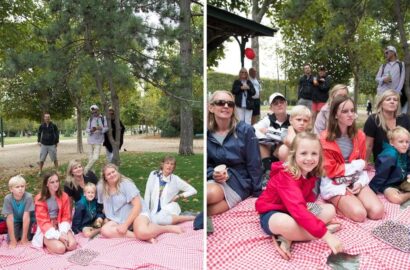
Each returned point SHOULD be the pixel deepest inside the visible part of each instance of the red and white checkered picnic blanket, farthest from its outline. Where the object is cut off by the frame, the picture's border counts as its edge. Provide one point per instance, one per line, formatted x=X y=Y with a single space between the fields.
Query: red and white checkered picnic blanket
x=173 y=251
x=238 y=242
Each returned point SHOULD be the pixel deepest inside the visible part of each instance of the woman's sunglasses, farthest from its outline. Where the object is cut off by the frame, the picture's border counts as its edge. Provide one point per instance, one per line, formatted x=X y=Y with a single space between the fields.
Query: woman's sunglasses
x=221 y=102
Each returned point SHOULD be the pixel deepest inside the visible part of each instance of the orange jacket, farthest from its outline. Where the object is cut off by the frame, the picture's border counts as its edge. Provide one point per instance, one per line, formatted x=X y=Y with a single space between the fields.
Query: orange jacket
x=334 y=163
x=43 y=217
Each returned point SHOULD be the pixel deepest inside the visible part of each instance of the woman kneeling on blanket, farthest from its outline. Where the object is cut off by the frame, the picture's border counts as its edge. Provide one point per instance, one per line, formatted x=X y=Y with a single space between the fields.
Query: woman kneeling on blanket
x=126 y=211
x=53 y=215
x=344 y=151
x=287 y=209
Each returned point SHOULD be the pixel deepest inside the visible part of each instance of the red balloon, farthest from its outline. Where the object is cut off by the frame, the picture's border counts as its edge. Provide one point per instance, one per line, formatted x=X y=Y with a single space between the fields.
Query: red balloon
x=249 y=53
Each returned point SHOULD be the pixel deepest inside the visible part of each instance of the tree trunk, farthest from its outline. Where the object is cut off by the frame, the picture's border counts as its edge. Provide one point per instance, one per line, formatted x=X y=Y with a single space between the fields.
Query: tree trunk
x=255 y=61
x=187 y=139
x=79 y=131
x=116 y=105
x=399 y=16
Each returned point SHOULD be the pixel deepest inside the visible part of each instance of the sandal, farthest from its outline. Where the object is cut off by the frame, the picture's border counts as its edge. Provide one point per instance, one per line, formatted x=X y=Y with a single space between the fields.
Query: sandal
x=282 y=246
x=334 y=226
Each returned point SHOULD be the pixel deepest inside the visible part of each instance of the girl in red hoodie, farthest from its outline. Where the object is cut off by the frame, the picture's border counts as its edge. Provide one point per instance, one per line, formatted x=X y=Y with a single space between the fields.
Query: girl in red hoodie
x=287 y=209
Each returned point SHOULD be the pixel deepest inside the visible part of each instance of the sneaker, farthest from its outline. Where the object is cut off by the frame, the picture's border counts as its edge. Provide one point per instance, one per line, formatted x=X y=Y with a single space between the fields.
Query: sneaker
x=39 y=174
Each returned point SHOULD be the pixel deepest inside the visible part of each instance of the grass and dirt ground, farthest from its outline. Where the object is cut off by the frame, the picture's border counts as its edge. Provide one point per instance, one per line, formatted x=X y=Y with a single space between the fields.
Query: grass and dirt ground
x=144 y=154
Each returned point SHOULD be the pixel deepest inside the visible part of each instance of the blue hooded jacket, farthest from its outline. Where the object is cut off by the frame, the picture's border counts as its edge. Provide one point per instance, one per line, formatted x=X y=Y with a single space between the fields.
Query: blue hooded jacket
x=85 y=213
x=240 y=153
x=391 y=169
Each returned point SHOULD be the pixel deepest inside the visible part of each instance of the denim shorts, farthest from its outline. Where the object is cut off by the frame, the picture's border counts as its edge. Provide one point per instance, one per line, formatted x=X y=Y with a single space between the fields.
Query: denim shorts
x=264 y=219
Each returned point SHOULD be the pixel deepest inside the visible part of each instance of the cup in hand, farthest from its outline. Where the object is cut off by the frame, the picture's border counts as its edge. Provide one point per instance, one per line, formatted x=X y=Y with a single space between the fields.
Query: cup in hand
x=220 y=171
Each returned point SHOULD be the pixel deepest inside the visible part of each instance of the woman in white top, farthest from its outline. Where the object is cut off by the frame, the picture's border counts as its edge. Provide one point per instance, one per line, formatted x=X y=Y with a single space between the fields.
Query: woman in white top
x=163 y=191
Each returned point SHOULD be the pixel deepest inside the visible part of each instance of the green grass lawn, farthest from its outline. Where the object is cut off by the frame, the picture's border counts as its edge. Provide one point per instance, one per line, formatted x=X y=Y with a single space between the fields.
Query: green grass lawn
x=137 y=167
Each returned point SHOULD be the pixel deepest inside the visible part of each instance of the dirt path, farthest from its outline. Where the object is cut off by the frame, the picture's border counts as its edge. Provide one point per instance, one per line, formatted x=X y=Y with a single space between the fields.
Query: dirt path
x=18 y=158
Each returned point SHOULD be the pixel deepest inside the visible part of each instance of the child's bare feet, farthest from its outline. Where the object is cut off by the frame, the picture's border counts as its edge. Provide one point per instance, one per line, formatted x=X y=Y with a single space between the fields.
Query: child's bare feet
x=282 y=245
x=12 y=244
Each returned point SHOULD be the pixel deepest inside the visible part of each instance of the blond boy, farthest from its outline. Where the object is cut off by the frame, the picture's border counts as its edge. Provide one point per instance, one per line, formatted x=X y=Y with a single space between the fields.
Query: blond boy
x=392 y=167
x=300 y=120
x=18 y=208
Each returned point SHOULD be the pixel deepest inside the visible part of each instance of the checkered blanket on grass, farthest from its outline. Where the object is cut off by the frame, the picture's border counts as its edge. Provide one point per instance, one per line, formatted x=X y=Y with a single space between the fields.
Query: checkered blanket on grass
x=182 y=251
x=238 y=242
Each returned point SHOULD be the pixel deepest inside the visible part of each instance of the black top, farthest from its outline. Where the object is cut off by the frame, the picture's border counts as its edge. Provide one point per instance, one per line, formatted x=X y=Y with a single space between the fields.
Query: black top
x=76 y=194
x=371 y=129
x=321 y=92
x=237 y=92
x=107 y=142
x=305 y=89
x=48 y=134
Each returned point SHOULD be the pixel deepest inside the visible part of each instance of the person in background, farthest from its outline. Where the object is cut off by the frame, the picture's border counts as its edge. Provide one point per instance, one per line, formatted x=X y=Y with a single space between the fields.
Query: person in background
x=47 y=138
x=320 y=91
x=256 y=98
x=243 y=91
x=107 y=143
x=305 y=88
x=96 y=127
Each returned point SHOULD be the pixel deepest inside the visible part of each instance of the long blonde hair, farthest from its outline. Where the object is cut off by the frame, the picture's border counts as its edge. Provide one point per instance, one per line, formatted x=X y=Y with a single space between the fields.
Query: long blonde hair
x=379 y=108
x=69 y=179
x=291 y=165
x=212 y=125
x=104 y=183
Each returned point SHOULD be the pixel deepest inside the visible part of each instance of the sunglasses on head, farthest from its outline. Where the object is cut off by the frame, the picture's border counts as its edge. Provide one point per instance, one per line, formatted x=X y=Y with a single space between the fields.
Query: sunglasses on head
x=221 y=102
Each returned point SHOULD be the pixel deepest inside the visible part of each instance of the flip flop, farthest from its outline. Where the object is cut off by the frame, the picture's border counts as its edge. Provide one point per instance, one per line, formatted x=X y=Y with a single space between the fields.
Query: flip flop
x=334 y=226
x=282 y=247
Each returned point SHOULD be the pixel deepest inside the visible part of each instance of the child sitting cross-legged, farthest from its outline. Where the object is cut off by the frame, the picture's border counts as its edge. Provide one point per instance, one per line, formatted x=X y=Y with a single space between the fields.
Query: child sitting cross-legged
x=18 y=208
x=300 y=119
x=287 y=207
x=88 y=217
x=393 y=167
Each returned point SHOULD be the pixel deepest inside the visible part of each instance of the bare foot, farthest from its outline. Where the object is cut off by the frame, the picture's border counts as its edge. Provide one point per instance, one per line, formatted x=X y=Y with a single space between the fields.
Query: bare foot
x=153 y=241
x=282 y=245
x=176 y=229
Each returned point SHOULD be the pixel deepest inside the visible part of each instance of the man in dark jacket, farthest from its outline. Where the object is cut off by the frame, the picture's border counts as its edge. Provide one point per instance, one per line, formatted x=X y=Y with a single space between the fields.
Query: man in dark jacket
x=305 y=89
x=47 y=138
x=107 y=142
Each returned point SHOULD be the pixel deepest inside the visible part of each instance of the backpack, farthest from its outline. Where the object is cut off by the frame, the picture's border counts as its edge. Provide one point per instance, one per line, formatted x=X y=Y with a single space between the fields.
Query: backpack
x=102 y=121
x=403 y=96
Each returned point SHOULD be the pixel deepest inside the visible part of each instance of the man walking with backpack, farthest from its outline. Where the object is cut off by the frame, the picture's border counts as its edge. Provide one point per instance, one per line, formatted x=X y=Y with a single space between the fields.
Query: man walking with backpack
x=47 y=138
x=96 y=127
x=391 y=74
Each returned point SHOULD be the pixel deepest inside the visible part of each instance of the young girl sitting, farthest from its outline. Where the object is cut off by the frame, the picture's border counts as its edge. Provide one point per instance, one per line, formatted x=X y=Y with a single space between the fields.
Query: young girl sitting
x=392 y=166
x=287 y=209
x=344 y=151
x=300 y=119
x=88 y=216
x=162 y=193
x=53 y=215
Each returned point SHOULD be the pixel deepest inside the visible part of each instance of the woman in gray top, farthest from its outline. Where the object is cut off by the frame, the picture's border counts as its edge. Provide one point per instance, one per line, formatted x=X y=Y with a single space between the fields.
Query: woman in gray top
x=125 y=209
